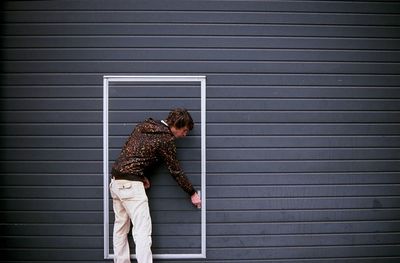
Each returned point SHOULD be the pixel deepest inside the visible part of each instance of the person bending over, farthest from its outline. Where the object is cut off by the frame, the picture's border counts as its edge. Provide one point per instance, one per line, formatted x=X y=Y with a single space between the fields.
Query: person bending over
x=150 y=143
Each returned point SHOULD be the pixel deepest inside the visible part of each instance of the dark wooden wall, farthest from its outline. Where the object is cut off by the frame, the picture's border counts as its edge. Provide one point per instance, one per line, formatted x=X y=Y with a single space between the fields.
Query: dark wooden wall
x=302 y=125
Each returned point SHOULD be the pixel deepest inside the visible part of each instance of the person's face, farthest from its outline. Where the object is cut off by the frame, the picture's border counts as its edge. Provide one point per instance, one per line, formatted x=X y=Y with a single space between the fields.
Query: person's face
x=179 y=133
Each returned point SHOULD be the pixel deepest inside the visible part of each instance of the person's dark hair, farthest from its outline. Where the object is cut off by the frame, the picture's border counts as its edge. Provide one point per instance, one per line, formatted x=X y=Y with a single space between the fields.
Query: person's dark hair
x=180 y=118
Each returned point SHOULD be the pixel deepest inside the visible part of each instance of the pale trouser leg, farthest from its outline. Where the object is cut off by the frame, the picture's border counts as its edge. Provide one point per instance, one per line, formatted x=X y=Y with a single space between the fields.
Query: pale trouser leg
x=121 y=230
x=141 y=231
x=130 y=202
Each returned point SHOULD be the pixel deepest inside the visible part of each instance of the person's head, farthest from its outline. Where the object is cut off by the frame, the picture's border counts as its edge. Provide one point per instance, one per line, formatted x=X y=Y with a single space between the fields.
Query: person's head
x=180 y=122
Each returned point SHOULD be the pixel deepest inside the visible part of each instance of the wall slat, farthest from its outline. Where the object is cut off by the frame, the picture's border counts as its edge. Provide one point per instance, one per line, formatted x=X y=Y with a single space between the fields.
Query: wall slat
x=303 y=149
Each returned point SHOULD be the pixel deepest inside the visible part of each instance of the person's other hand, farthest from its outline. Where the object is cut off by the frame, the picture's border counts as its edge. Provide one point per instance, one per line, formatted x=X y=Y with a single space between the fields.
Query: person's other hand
x=196 y=201
x=146 y=183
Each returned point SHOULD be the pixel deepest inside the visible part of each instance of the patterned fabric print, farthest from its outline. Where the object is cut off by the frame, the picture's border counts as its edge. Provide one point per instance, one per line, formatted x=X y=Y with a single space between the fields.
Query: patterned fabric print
x=149 y=143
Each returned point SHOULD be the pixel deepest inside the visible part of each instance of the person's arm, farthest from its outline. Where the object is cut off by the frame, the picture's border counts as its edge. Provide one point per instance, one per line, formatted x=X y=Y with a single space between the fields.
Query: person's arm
x=168 y=153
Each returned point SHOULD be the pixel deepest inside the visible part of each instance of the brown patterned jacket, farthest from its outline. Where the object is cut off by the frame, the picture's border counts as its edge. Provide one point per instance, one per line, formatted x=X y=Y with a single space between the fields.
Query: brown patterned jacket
x=149 y=143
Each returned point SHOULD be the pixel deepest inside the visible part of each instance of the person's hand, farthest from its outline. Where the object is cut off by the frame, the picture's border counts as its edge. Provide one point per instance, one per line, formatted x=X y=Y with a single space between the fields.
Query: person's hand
x=196 y=201
x=146 y=183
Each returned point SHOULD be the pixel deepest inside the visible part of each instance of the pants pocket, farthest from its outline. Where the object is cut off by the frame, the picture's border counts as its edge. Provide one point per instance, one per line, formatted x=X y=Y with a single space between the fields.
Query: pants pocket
x=127 y=185
x=131 y=191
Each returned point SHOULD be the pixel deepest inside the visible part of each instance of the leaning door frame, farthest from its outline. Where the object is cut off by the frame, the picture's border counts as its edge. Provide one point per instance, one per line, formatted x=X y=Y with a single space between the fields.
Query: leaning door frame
x=107 y=79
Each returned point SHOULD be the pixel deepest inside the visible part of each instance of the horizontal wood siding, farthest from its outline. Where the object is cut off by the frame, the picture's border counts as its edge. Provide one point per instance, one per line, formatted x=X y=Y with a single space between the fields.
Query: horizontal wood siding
x=131 y=103
x=303 y=131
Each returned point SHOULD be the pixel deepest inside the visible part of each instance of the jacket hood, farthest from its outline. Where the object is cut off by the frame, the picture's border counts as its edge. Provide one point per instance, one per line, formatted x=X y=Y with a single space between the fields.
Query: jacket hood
x=153 y=126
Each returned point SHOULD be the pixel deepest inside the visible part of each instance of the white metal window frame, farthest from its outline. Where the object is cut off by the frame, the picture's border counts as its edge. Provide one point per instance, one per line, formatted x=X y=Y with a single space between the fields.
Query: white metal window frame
x=153 y=78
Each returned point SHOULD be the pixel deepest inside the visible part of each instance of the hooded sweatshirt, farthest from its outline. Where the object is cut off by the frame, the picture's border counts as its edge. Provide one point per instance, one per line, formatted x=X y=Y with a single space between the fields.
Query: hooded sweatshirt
x=150 y=143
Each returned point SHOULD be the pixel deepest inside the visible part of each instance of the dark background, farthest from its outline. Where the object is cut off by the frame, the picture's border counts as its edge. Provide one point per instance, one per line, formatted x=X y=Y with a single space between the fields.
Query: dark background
x=302 y=125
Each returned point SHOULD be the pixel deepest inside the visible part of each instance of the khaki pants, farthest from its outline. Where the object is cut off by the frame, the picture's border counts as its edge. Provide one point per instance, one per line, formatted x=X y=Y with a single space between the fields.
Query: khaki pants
x=130 y=204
